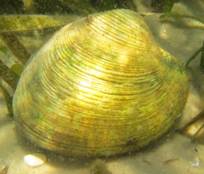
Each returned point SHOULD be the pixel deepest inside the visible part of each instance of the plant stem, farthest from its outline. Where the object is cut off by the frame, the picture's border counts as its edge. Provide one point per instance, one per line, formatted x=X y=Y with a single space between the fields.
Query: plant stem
x=193 y=56
x=7 y=98
x=16 y=47
x=8 y=76
x=202 y=58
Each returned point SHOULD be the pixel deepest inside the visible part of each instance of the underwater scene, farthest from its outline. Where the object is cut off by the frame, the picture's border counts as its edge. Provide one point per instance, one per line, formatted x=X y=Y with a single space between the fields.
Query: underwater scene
x=102 y=86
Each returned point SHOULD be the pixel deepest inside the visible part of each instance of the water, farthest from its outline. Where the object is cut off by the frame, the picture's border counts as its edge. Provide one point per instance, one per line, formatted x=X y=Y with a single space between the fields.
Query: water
x=174 y=154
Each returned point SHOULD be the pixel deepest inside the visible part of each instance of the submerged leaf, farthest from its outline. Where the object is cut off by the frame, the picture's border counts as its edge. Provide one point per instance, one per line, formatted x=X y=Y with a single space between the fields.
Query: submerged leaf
x=4 y=50
x=15 y=46
x=182 y=21
x=17 y=68
x=8 y=100
x=202 y=58
x=27 y=23
x=10 y=77
x=195 y=128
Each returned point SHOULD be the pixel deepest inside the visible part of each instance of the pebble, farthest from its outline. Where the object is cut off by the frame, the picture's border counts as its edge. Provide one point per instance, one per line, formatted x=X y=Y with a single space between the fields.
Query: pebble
x=195 y=162
x=35 y=159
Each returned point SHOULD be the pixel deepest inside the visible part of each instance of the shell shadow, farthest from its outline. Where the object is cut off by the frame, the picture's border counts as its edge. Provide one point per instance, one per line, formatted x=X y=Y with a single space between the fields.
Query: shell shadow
x=54 y=159
x=27 y=145
x=58 y=160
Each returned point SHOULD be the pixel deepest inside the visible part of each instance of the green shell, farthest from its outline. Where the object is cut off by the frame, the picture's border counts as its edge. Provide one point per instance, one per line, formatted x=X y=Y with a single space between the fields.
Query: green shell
x=101 y=86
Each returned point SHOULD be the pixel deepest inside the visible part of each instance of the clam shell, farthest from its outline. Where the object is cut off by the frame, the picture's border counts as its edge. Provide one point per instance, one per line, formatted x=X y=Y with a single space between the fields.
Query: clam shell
x=100 y=86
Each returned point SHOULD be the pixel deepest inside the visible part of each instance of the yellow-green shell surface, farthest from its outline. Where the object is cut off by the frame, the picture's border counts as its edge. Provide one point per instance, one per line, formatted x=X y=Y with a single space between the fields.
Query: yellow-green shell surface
x=100 y=86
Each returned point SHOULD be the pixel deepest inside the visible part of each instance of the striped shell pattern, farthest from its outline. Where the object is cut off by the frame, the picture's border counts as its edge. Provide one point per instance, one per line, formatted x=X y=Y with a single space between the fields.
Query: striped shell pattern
x=100 y=86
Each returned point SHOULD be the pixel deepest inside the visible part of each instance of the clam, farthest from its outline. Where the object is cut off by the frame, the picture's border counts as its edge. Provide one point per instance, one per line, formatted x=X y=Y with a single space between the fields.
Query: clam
x=101 y=86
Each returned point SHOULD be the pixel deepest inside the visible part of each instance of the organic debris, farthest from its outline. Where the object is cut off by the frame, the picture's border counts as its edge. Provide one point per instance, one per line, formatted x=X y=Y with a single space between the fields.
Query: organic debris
x=99 y=167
